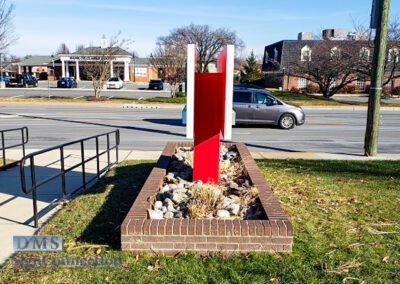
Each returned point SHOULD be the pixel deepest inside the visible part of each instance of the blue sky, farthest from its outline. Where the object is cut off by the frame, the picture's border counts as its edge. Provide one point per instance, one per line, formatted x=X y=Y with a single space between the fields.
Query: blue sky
x=42 y=25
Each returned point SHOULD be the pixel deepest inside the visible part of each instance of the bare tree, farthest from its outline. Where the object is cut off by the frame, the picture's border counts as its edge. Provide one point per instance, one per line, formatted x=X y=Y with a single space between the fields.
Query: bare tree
x=208 y=42
x=169 y=57
x=7 y=36
x=96 y=64
x=62 y=49
x=366 y=50
x=79 y=47
x=330 y=65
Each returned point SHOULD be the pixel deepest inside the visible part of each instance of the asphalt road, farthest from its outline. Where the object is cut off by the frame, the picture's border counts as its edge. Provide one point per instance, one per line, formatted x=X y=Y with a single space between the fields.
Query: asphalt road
x=331 y=131
x=85 y=89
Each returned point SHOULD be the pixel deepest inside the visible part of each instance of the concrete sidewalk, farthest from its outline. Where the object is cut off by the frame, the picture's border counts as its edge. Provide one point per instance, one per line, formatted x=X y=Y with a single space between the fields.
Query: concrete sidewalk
x=16 y=209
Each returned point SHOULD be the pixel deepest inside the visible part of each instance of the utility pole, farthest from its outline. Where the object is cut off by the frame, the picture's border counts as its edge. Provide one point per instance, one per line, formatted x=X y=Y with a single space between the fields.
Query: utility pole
x=378 y=63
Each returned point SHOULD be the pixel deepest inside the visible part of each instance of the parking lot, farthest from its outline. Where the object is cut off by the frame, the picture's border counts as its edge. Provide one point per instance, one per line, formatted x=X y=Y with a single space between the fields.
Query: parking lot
x=84 y=89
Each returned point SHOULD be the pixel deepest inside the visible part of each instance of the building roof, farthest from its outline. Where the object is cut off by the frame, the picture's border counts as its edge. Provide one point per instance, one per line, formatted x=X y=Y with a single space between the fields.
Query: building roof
x=140 y=62
x=93 y=50
x=38 y=60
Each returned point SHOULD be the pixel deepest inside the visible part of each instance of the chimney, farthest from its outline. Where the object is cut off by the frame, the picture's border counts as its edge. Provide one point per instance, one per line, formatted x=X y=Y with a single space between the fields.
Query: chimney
x=305 y=36
x=104 y=43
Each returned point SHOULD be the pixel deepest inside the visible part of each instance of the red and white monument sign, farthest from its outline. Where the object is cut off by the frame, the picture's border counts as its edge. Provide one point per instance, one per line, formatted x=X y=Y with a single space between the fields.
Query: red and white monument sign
x=209 y=112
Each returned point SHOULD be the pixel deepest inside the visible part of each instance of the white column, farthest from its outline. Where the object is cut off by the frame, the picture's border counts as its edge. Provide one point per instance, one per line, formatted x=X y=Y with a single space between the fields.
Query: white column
x=67 y=68
x=126 y=71
x=63 y=67
x=111 y=69
x=77 y=70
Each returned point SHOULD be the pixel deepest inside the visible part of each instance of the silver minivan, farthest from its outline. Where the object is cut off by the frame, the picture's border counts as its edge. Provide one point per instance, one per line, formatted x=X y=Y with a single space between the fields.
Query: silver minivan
x=255 y=106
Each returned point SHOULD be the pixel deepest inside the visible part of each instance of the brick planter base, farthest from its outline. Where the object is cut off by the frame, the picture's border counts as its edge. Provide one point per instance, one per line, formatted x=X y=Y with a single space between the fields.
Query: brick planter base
x=171 y=236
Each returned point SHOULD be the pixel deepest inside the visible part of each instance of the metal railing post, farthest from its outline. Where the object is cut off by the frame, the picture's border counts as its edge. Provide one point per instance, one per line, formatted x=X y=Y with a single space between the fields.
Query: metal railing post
x=63 y=187
x=97 y=157
x=83 y=165
x=34 y=194
x=116 y=145
x=23 y=141
x=108 y=150
x=3 y=147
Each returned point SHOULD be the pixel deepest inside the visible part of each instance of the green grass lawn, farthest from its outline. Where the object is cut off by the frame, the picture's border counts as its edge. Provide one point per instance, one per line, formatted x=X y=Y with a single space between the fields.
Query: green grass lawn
x=345 y=215
x=299 y=99
x=306 y=100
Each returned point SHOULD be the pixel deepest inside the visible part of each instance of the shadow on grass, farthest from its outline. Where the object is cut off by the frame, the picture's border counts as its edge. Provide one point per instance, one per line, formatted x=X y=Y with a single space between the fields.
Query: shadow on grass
x=127 y=182
x=384 y=169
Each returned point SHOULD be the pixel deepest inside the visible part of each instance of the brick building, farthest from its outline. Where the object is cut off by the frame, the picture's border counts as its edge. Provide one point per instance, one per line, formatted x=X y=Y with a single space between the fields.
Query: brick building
x=124 y=65
x=280 y=56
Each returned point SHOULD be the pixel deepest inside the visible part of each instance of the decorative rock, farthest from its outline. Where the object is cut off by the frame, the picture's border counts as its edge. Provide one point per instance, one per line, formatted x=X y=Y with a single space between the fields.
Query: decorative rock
x=233 y=185
x=158 y=205
x=178 y=214
x=173 y=186
x=226 y=202
x=171 y=208
x=235 y=208
x=168 y=201
x=178 y=197
x=164 y=209
x=223 y=214
x=235 y=198
x=168 y=215
x=155 y=214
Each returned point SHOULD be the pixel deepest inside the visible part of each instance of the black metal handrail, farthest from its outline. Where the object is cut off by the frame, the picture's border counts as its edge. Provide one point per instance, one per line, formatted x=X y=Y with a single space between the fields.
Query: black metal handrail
x=24 y=140
x=64 y=171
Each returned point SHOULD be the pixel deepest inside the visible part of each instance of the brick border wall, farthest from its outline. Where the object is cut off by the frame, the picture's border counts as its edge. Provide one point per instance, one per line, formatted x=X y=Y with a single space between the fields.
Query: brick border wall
x=171 y=236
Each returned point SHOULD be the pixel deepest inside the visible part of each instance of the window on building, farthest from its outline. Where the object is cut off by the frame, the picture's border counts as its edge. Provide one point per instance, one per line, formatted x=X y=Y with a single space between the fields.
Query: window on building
x=335 y=52
x=393 y=55
x=364 y=53
x=242 y=97
x=360 y=84
x=302 y=83
x=266 y=57
x=306 y=53
x=275 y=55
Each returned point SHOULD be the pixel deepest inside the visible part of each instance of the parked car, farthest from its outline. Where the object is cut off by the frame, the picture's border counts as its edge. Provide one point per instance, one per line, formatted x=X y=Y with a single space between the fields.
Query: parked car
x=156 y=85
x=115 y=83
x=23 y=80
x=67 y=82
x=254 y=106
x=6 y=80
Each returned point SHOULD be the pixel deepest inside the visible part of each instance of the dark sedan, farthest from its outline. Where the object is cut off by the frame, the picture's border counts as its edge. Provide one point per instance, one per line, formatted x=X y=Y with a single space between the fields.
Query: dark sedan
x=67 y=82
x=156 y=85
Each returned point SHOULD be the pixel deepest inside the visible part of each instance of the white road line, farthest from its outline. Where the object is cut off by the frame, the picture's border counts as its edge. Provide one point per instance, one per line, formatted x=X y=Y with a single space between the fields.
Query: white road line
x=110 y=97
x=17 y=96
x=78 y=97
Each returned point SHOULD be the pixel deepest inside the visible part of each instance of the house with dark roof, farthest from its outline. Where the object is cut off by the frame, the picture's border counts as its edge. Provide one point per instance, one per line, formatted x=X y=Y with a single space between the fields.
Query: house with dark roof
x=281 y=55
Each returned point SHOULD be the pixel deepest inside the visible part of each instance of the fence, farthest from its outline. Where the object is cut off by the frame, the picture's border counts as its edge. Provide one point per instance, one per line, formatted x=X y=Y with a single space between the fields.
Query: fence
x=63 y=170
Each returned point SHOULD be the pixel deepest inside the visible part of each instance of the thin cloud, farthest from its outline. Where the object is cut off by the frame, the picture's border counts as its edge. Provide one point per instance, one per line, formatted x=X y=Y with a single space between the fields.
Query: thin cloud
x=205 y=12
